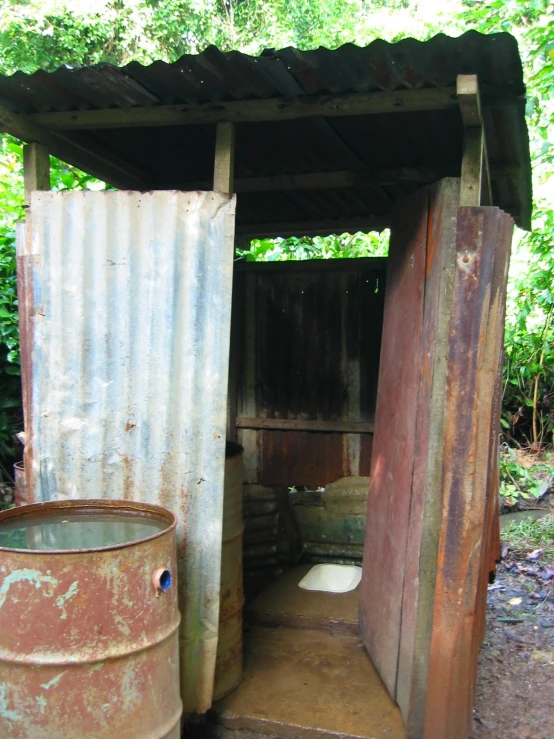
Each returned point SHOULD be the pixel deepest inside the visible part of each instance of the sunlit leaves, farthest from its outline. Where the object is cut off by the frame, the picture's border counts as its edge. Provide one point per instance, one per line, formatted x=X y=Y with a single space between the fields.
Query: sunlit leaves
x=338 y=246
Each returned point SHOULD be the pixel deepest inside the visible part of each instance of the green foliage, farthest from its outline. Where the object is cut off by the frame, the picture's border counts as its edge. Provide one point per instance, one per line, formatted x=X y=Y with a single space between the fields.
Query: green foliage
x=529 y=345
x=44 y=34
x=341 y=246
x=518 y=481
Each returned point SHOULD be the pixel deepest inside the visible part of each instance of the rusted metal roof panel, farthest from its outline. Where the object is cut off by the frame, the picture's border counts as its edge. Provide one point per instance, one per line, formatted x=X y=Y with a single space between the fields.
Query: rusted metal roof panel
x=127 y=307
x=182 y=156
x=213 y=76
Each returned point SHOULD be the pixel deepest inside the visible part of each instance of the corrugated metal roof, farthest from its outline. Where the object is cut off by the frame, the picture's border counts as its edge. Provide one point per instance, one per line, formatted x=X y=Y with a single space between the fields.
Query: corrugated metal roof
x=181 y=155
x=126 y=310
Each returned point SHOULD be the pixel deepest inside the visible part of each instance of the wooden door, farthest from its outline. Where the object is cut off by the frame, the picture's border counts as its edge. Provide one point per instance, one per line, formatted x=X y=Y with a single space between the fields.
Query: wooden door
x=430 y=507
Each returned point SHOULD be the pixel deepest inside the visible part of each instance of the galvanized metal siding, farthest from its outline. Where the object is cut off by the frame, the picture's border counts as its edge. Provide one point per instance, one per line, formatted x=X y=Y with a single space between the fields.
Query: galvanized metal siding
x=310 y=352
x=128 y=345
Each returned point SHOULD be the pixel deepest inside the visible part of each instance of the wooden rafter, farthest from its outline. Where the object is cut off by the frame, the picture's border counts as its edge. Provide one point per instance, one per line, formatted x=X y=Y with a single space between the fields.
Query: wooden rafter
x=274 y=109
x=36 y=169
x=476 y=175
x=87 y=156
x=224 y=162
x=293 y=424
x=340 y=179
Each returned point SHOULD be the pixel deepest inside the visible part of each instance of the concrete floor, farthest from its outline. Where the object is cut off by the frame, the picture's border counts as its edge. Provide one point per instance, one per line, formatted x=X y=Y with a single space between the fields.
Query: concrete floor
x=285 y=604
x=306 y=683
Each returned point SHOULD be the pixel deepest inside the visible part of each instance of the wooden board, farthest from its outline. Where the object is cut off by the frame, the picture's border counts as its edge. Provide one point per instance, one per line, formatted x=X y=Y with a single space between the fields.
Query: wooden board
x=475 y=344
x=429 y=537
x=425 y=507
x=390 y=487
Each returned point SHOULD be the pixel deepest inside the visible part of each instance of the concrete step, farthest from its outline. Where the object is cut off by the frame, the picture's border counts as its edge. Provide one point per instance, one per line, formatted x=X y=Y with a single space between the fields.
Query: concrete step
x=285 y=604
x=306 y=684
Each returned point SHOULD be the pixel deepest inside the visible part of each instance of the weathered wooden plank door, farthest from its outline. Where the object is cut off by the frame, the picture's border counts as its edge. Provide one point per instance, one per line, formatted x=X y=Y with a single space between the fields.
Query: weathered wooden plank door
x=430 y=507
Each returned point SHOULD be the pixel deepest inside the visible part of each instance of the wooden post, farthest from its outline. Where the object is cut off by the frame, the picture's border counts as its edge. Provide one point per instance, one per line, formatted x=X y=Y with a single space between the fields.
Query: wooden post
x=224 y=157
x=475 y=190
x=36 y=169
x=223 y=182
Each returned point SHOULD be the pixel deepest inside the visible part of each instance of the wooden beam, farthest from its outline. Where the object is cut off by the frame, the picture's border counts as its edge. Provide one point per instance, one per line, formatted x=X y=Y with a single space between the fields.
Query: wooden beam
x=274 y=109
x=344 y=178
x=377 y=264
x=312 y=228
x=293 y=424
x=36 y=170
x=85 y=156
x=472 y=167
x=469 y=101
x=475 y=188
x=224 y=163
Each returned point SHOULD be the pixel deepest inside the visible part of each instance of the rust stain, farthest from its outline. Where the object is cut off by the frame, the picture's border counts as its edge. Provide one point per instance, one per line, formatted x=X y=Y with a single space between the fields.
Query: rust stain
x=460 y=594
x=228 y=669
x=20 y=486
x=312 y=352
x=95 y=653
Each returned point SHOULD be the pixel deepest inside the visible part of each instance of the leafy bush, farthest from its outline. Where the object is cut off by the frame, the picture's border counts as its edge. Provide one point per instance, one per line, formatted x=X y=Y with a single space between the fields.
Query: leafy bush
x=341 y=246
x=527 y=481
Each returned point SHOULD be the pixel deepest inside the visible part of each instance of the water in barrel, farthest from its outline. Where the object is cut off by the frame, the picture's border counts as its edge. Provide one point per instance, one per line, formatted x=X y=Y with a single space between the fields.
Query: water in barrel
x=76 y=530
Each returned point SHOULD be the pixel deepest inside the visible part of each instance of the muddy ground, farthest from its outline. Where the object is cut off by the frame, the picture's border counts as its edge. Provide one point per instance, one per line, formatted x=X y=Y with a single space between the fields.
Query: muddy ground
x=515 y=690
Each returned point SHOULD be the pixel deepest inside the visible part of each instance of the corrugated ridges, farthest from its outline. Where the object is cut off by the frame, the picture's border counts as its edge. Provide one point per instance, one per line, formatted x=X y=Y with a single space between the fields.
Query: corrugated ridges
x=214 y=75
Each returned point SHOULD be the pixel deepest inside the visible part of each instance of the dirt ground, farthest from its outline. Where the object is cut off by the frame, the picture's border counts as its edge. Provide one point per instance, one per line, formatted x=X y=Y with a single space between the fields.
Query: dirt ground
x=515 y=689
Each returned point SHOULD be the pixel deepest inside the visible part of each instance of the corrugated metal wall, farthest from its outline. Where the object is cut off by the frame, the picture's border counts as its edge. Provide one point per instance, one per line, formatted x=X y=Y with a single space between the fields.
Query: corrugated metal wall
x=126 y=303
x=306 y=344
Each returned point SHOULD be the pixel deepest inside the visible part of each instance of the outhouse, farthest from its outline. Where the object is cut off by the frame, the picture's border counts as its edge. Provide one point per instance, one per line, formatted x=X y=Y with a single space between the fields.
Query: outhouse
x=139 y=359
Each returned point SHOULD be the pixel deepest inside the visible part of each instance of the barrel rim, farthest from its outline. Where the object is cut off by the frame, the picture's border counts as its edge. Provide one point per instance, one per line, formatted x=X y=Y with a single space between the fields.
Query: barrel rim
x=94 y=505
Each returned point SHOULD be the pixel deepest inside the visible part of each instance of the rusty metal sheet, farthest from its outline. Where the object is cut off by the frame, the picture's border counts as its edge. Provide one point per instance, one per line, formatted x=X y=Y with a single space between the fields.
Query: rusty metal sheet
x=390 y=486
x=228 y=669
x=127 y=301
x=213 y=75
x=311 y=459
x=88 y=644
x=309 y=351
x=20 y=484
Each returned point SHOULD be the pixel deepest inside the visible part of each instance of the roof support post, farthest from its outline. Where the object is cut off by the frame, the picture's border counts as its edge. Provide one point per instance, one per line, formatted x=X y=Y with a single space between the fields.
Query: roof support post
x=224 y=165
x=476 y=178
x=36 y=169
x=224 y=157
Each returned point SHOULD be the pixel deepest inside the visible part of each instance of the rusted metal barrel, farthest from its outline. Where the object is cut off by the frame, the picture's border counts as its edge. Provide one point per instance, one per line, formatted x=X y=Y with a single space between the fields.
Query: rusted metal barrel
x=20 y=486
x=88 y=621
x=228 y=670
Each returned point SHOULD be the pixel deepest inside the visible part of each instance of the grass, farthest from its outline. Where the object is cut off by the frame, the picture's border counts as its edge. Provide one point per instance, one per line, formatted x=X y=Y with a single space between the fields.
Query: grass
x=531 y=534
